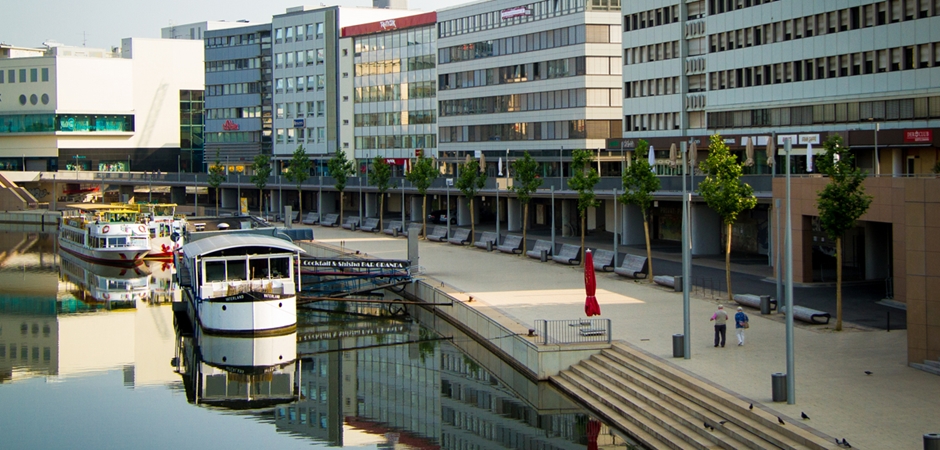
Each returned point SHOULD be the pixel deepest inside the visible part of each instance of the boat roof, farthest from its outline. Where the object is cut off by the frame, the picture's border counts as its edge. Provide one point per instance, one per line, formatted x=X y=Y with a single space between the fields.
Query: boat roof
x=97 y=206
x=226 y=241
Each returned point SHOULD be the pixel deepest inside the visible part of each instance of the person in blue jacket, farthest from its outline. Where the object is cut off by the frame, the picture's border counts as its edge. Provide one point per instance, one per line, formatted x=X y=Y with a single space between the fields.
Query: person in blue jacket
x=740 y=324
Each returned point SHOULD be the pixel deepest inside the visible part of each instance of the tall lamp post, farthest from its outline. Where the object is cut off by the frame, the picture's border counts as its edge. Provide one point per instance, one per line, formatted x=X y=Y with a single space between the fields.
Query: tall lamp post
x=877 y=160
x=686 y=259
x=788 y=246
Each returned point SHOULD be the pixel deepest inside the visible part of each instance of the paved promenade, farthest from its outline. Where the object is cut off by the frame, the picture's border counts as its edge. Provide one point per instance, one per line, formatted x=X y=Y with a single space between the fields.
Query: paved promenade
x=890 y=409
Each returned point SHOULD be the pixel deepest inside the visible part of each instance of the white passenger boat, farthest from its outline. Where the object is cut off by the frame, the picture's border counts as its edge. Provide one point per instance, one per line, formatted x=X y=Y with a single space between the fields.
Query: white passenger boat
x=112 y=286
x=240 y=283
x=106 y=234
x=165 y=227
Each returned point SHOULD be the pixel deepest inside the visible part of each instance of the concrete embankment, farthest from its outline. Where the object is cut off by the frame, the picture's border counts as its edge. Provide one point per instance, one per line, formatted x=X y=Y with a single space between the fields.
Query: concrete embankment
x=38 y=220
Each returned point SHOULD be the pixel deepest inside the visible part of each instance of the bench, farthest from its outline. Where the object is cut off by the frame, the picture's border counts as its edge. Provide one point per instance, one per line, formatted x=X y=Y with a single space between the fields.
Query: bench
x=371 y=225
x=311 y=218
x=665 y=280
x=568 y=254
x=329 y=220
x=512 y=244
x=753 y=301
x=461 y=237
x=603 y=260
x=393 y=228
x=294 y=215
x=540 y=245
x=438 y=234
x=633 y=266
x=487 y=236
x=808 y=315
x=351 y=223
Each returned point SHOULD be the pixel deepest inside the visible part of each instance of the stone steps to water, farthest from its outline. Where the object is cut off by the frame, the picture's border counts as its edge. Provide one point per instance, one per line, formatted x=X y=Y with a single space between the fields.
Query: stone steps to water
x=928 y=366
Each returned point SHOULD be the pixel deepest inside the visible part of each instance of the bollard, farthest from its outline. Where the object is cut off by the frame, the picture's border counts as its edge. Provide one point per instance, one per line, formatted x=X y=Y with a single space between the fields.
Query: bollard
x=765 y=304
x=489 y=246
x=677 y=283
x=395 y=232
x=932 y=441
x=678 y=345
x=778 y=385
x=544 y=255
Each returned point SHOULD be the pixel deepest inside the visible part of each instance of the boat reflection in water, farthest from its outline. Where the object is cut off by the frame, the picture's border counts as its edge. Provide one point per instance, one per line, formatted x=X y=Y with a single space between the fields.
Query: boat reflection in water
x=104 y=286
x=163 y=285
x=237 y=372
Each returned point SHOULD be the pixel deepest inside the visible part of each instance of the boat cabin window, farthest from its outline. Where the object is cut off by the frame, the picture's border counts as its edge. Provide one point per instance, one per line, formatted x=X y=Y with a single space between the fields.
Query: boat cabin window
x=237 y=270
x=262 y=268
x=215 y=271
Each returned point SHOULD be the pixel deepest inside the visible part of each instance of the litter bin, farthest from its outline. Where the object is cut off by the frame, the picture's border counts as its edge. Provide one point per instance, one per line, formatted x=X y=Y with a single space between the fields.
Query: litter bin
x=765 y=304
x=932 y=441
x=489 y=246
x=678 y=346
x=544 y=255
x=778 y=384
x=677 y=283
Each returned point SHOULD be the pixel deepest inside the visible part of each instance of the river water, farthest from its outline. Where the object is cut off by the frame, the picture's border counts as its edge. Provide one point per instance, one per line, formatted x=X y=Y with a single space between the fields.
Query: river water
x=90 y=357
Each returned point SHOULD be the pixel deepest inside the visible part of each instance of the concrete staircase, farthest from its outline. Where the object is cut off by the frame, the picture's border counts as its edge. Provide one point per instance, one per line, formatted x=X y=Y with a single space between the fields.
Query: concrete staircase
x=14 y=198
x=663 y=407
x=928 y=366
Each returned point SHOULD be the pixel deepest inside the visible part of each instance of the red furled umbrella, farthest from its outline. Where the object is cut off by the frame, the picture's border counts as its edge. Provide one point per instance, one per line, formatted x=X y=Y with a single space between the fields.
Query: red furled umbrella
x=591 y=308
x=593 y=431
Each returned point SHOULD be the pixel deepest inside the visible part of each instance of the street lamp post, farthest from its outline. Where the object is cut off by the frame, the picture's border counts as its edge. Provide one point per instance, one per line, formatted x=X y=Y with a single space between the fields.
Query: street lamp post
x=179 y=172
x=553 y=217
x=447 y=184
x=877 y=160
x=791 y=376
x=616 y=230
x=686 y=259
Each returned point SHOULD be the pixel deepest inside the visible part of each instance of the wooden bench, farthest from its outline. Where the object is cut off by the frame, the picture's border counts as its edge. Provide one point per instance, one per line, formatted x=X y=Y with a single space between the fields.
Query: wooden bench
x=461 y=237
x=511 y=244
x=438 y=234
x=393 y=228
x=351 y=223
x=753 y=301
x=633 y=266
x=311 y=219
x=371 y=225
x=487 y=236
x=568 y=254
x=540 y=245
x=329 y=220
x=808 y=315
x=603 y=260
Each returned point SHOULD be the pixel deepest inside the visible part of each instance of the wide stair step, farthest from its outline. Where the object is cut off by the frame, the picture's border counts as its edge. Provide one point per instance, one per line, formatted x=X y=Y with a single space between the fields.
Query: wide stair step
x=928 y=366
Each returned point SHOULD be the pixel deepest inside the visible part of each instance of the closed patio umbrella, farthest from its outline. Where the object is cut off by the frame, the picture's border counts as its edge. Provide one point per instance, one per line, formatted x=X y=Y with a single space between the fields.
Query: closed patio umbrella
x=651 y=158
x=482 y=163
x=809 y=156
x=749 y=152
x=770 y=151
x=693 y=153
x=672 y=155
x=591 y=308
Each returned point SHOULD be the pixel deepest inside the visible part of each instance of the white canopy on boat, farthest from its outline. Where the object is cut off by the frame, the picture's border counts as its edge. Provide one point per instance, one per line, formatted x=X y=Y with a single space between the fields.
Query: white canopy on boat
x=227 y=241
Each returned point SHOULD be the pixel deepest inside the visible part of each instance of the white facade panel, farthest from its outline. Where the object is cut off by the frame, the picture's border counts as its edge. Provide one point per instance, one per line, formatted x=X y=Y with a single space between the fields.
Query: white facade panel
x=94 y=85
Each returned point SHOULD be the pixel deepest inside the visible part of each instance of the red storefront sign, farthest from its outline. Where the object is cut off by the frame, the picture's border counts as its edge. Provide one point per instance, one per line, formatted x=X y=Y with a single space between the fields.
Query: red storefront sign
x=391 y=24
x=396 y=161
x=229 y=126
x=918 y=135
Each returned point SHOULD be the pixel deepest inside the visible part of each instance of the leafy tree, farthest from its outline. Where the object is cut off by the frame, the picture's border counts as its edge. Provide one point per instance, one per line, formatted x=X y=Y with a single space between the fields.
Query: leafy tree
x=216 y=177
x=639 y=183
x=840 y=203
x=261 y=169
x=583 y=178
x=525 y=182
x=298 y=170
x=340 y=169
x=422 y=174
x=470 y=181
x=724 y=192
x=380 y=176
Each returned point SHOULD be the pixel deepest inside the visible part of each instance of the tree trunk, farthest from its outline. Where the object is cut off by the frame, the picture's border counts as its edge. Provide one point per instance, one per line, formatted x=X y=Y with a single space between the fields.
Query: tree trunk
x=424 y=215
x=381 y=207
x=839 y=283
x=728 y=264
x=261 y=204
x=341 y=208
x=649 y=251
x=582 y=237
x=300 y=205
x=216 y=200
x=473 y=232
x=525 y=223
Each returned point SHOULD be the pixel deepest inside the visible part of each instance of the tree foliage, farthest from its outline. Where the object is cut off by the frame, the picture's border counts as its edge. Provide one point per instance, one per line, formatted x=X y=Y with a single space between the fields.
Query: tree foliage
x=526 y=180
x=380 y=176
x=470 y=181
x=340 y=169
x=422 y=175
x=583 y=179
x=298 y=170
x=261 y=171
x=216 y=177
x=639 y=183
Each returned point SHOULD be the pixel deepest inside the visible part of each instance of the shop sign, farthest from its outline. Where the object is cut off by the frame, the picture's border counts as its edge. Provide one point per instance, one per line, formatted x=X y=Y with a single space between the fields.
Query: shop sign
x=918 y=136
x=229 y=126
x=298 y=123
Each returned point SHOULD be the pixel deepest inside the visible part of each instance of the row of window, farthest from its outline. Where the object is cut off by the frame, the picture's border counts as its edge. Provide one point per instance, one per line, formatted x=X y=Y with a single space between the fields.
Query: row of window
x=233 y=88
x=650 y=88
x=47 y=123
x=862 y=63
x=246 y=112
x=35 y=75
x=234 y=64
x=651 y=18
x=395 y=118
x=532 y=131
x=654 y=52
x=395 y=65
x=535 y=101
x=851 y=112
x=73 y=236
x=395 y=39
x=24 y=329
x=240 y=39
x=853 y=18
x=292 y=84
x=397 y=141
x=723 y=6
x=514 y=16
x=233 y=137
x=542 y=40
x=545 y=70
x=302 y=57
x=300 y=135
x=651 y=122
x=389 y=92
x=287 y=110
x=299 y=32
x=24 y=352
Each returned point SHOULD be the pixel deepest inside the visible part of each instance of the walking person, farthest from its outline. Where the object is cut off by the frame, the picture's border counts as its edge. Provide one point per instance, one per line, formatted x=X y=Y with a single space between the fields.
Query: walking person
x=721 y=319
x=740 y=324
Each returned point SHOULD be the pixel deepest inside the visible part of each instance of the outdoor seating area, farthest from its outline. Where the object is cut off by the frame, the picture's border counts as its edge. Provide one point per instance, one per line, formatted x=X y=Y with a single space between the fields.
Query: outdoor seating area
x=511 y=244
x=487 y=237
x=568 y=254
x=633 y=266
x=393 y=228
x=351 y=223
x=808 y=315
x=603 y=260
x=370 y=225
x=438 y=234
x=538 y=248
x=461 y=237
x=311 y=218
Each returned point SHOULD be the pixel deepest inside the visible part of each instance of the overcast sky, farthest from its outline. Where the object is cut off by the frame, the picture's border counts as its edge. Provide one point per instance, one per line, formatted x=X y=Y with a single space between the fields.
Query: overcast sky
x=103 y=23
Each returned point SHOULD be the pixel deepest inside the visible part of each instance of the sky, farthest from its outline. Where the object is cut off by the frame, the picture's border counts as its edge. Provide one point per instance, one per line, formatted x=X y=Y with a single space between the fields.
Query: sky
x=103 y=23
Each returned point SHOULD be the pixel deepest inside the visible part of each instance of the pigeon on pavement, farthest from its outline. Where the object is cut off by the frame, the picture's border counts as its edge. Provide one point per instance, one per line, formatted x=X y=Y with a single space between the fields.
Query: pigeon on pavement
x=781 y=421
x=804 y=416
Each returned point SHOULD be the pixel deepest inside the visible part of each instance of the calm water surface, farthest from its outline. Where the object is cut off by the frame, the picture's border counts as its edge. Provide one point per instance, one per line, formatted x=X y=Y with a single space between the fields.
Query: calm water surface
x=90 y=357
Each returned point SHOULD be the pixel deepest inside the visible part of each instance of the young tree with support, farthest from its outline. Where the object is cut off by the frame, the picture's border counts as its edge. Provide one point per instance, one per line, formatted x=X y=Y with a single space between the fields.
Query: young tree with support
x=216 y=177
x=298 y=170
x=340 y=169
x=261 y=169
x=470 y=181
x=725 y=193
x=422 y=174
x=583 y=179
x=841 y=202
x=639 y=183
x=380 y=176
x=526 y=180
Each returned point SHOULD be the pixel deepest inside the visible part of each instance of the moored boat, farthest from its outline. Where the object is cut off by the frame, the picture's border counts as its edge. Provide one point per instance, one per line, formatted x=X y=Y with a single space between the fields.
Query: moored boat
x=166 y=229
x=111 y=286
x=107 y=234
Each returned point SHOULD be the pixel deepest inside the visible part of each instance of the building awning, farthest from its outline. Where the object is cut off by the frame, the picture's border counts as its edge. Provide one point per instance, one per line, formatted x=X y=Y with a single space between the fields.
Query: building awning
x=221 y=242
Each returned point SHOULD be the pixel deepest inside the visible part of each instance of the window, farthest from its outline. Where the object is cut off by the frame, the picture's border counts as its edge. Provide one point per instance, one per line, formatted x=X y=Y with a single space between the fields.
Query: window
x=22 y=75
x=11 y=76
x=321 y=82
x=33 y=75
x=320 y=55
x=279 y=34
x=310 y=109
x=289 y=33
x=319 y=30
x=299 y=31
x=309 y=31
x=300 y=84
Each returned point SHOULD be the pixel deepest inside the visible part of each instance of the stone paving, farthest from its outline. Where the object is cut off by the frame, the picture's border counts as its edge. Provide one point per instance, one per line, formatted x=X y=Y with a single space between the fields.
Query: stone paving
x=890 y=409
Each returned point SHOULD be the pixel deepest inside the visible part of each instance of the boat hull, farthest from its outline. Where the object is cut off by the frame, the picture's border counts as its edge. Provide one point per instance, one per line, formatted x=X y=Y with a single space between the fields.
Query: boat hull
x=248 y=313
x=125 y=256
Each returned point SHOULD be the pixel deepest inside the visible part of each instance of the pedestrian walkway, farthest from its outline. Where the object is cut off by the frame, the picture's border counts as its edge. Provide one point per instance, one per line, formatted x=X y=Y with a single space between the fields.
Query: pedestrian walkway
x=893 y=407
